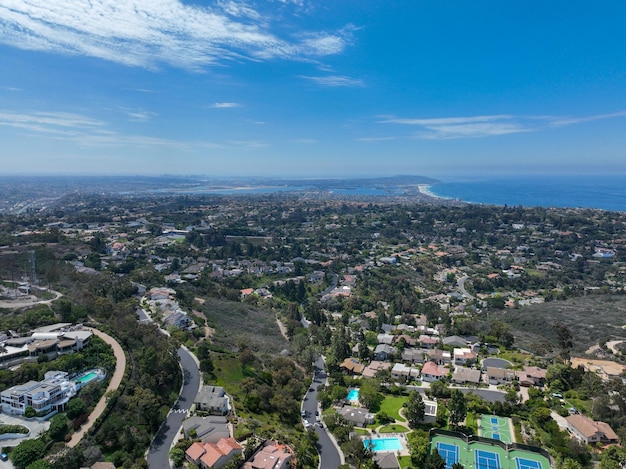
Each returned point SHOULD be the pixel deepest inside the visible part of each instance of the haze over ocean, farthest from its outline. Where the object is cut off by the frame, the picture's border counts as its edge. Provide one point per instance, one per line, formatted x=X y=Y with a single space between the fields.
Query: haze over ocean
x=606 y=192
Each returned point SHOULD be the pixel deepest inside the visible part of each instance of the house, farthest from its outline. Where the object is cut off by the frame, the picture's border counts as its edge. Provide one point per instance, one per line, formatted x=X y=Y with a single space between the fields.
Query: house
x=535 y=375
x=385 y=339
x=352 y=365
x=209 y=429
x=373 y=368
x=413 y=355
x=384 y=352
x=440 y=357
x=400 y=370
x=359 y=416
x=462 y=375
x=213 y=455
x=44 y=396
x=427 y=341
x=464 y=356
x=500 y=375
x=432 y=372
x=386 y=460
x=590 y=431
x=212 y=399
x=272 y=455
x=246 y=292
x=454 y=341
x=408 y=340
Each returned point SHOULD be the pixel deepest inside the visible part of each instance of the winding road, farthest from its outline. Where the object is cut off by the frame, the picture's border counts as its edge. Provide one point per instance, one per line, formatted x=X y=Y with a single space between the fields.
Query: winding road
x=330 y=455
x=158 y=453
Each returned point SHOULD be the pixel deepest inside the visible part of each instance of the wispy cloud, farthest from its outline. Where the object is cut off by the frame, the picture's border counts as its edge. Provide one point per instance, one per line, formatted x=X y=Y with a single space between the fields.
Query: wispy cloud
x=148 y=33
x=488 y=125
x=139 y=116
x=83 y=131
x=225 y=105
x=335 y=81
x=10 y=88
x=375 y=139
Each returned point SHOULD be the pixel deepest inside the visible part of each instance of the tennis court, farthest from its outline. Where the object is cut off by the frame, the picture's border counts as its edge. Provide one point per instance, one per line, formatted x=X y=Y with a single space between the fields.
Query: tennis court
x=498 y=428
x=448 y=452
x=485 y=455
x=522 y=463
x=486 y=459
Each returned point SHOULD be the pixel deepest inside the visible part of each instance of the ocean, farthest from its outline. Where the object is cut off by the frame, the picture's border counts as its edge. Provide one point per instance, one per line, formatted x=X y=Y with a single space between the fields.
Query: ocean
x=599 y=192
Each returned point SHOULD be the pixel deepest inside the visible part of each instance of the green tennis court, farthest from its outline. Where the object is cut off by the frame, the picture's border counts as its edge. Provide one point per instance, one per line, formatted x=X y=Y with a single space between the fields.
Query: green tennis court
x=497 y=428
x=484 y=455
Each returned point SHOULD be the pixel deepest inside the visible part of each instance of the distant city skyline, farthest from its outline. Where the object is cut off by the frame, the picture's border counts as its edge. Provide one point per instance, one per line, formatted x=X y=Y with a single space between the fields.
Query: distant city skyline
x=301 y=88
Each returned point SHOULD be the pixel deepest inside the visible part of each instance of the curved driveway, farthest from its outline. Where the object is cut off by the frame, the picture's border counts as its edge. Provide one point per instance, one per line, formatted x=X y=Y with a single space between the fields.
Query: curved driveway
x=116 y=379
x=158 y=454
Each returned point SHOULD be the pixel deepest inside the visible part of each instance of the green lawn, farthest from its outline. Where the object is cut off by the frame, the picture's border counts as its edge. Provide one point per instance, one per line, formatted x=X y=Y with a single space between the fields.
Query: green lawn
x=362 y=431
x=395 y=428
x=391 y=405
x=405 y=462
x=228 y=372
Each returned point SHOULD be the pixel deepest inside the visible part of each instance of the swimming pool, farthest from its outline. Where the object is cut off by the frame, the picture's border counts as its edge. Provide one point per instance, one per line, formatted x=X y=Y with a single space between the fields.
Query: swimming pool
x=353 y=395
x=383 y=444
x=88 y=377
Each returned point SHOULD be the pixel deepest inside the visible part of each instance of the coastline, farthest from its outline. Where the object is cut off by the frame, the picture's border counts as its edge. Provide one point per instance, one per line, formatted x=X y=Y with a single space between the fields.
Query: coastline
x=424 y=189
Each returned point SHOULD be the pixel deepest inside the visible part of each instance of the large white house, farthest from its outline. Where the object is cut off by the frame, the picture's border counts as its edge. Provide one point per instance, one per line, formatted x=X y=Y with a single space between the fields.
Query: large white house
x=45 y=396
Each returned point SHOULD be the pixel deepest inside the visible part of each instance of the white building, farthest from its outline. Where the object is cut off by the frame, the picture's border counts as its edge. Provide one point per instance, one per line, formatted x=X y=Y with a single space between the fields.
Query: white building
x=50 y=394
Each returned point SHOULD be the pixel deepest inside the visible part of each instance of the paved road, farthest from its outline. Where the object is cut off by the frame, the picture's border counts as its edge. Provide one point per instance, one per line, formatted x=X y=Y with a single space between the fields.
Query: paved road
x=460 y=283
x=158 y=454
x=329 y=454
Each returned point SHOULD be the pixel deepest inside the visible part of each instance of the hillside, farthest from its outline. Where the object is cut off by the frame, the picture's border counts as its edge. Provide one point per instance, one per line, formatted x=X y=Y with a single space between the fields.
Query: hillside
x=591 y=319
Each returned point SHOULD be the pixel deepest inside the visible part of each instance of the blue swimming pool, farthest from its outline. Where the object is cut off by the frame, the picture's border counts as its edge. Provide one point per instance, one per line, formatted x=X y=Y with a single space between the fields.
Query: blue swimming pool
x=88 y=377
x=353 y=395
x=383 y=444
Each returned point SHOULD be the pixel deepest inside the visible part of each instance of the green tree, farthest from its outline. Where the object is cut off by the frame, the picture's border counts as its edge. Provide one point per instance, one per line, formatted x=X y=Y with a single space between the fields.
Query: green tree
x=177 y=456
x=58 y=427
x=356 y=452
x=27 y=452
x=415 y=409
x=564 y=339
x=39 y=464
x=75 y=407
x=434 y=461
x=419 y=445
x=569 y=463
x=457 y=408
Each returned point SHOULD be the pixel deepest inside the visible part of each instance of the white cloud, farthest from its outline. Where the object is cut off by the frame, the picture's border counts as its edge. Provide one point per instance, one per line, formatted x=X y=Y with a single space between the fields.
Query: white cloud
x=84 y=131
x=334 y=81
x=489 y=125
x=375 y=139
x=148 y=33
x=139 y=116
x=225 y=105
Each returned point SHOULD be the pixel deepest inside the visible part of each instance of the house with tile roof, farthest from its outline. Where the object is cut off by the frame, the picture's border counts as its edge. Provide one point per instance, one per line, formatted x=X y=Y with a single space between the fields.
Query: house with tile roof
x=590 y=431
x=432 y=372
x=272 y=455
x=213 y=455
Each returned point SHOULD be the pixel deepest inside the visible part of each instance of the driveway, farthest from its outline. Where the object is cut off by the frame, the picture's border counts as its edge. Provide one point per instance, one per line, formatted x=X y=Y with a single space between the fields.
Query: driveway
x=158 y=453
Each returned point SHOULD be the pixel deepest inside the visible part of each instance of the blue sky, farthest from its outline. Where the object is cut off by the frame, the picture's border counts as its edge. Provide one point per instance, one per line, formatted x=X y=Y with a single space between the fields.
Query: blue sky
x=312 y=88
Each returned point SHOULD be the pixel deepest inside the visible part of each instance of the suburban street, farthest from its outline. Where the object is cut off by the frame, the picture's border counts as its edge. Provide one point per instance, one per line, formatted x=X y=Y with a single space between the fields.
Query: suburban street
x=329 y=454
x=158 y=453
